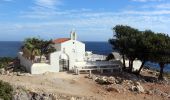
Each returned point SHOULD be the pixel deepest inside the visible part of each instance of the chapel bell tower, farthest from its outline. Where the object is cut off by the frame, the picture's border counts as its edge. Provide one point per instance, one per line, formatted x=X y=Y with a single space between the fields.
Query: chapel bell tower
x=73 y=35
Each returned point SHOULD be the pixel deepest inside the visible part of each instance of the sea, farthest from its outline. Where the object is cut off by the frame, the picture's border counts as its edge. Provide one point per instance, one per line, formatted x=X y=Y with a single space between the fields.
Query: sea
x=10 y=49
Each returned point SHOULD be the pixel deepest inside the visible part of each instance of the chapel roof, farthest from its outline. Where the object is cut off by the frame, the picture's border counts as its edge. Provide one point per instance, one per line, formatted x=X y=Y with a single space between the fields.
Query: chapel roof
x=61 y=40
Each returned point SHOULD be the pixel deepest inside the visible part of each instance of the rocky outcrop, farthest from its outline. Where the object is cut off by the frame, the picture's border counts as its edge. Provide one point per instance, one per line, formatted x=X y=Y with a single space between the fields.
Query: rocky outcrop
x=21 y=94
x=118 y=84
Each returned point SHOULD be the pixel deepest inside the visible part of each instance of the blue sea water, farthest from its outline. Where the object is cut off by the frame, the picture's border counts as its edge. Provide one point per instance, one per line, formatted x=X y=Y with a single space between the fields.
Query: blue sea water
x=10 y=49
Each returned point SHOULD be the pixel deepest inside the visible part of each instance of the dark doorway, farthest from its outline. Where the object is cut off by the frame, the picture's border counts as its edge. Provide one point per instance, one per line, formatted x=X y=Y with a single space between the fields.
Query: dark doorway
x=64 y=65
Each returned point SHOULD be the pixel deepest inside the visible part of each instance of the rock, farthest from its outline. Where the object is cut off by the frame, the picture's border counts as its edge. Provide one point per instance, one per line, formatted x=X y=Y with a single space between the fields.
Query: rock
x=134 y=89
x=20 y=74
x=149 y=92
x=168 y=96
x=104 y=80
x=118 y=80
x=7 y=72
x=72 y=98
x=27 y=74
x=111 y=80
x=137 y=88
x=101 y=80
x=2 y=71
x=164 y=94
x=94 y=77
x=10 y=74
x=140 y=89
x=21 y=96
x=136 y=83
x=14 y=73
x=157 y=91
x=165 y=80
x=111 y=88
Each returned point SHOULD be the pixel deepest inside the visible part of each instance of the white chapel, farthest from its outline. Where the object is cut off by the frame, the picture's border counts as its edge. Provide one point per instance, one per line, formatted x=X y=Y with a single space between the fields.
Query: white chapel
x=68 y=51
x=70 y=55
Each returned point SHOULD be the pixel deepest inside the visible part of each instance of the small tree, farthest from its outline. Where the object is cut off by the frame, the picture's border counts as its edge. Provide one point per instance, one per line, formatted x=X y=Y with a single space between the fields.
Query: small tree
x=161 y=51
x=144 y=48
x=126 y=42
x=30 y=47
x=120 y=41
x=37 y=47
x=45 y=47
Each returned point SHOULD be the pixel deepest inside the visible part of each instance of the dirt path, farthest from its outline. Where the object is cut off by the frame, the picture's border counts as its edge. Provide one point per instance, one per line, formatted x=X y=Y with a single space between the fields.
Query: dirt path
x=76 y=85
x=55 y=83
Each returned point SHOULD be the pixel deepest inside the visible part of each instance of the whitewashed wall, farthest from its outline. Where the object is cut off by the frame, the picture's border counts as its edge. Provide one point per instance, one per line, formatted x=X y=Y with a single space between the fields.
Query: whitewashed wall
x=38 y=68
x=25 y=62
x=136 y=64
x=75 y=50
x=54 y=60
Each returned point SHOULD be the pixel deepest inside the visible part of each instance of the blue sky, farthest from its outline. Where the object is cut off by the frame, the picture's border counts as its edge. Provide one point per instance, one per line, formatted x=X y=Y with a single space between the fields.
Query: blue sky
x=92 y=19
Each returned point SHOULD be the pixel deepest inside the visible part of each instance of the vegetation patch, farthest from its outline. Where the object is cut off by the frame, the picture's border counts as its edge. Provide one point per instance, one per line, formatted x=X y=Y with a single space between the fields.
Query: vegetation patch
x=145 y=46
x=4 y=61
x=5 y=91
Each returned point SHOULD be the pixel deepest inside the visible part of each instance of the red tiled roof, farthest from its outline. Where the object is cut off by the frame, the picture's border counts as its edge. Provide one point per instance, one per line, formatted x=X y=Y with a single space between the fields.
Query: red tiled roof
x=61 y=40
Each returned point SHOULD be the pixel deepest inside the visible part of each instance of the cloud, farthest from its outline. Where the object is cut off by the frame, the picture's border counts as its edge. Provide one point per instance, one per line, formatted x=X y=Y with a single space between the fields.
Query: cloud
x=48 y=3
x=45 y=18
x=43 y=9
x=156 y=12
x=158 y=6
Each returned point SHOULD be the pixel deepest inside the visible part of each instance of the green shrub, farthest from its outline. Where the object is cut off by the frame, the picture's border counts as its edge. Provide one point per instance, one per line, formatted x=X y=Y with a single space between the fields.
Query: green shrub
x=4 y=61
x=5 y=91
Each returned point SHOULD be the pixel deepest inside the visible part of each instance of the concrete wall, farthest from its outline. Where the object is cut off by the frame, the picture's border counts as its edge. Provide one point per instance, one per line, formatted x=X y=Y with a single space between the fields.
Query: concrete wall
x=25 y=62
x=38 y=68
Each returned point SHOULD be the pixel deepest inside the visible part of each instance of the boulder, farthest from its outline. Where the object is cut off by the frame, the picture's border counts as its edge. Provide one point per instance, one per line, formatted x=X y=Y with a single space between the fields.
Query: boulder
x=2 y=71
x=137 y=87
x=111 y=80
x=112 y=88
x=102 y=80
x=118 y=80
x=140 y=89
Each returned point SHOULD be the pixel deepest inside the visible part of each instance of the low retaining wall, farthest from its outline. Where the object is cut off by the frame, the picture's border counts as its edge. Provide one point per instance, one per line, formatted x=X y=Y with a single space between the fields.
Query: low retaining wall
x=36 y=68
x=25 y=62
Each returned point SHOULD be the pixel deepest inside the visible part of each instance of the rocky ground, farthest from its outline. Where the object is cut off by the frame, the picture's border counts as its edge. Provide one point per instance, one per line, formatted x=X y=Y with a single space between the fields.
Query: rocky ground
x=66 y=86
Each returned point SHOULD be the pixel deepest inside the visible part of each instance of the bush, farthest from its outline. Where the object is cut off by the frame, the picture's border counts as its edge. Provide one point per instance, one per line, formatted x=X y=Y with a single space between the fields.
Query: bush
x=4 y=61
x=5 y=91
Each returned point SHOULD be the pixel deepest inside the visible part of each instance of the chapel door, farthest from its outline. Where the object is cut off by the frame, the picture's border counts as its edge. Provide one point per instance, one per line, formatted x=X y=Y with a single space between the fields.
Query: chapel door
x=64 y=65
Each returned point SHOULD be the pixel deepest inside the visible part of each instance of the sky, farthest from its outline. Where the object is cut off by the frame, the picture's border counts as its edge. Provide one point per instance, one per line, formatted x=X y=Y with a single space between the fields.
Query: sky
x=92 y=20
